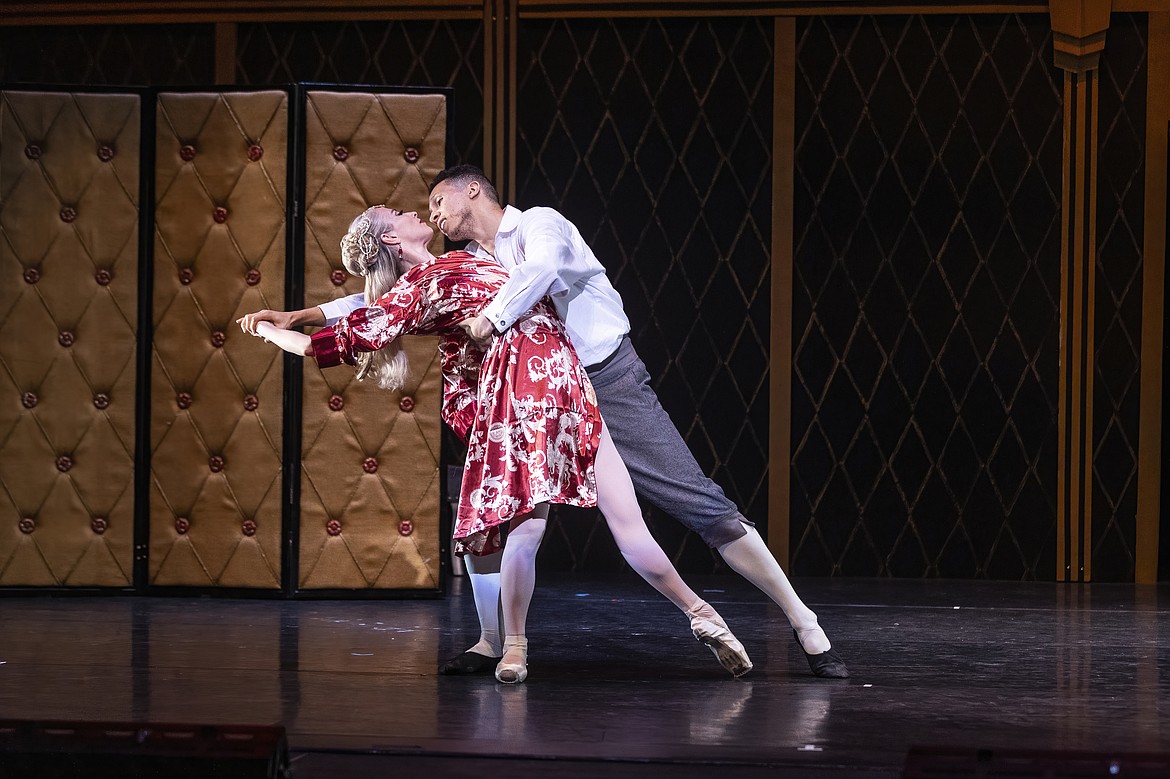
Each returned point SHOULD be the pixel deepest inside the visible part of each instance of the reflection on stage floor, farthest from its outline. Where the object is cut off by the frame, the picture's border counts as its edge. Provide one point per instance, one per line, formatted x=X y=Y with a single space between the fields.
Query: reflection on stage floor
x=617 y=684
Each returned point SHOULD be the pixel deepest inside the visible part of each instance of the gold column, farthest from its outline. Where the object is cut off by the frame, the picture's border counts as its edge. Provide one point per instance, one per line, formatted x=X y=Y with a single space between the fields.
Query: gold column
x=1078 y=36
x=780 y=367
x=499 y=94
x=1153 y=304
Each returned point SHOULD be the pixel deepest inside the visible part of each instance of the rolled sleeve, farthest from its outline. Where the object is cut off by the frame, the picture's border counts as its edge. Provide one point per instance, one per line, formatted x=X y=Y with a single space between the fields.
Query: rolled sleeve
x=335 y=310
x=325 y=349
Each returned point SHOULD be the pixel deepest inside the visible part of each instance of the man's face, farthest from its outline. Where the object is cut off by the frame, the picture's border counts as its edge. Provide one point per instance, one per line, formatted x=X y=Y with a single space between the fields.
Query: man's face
x=451 y=210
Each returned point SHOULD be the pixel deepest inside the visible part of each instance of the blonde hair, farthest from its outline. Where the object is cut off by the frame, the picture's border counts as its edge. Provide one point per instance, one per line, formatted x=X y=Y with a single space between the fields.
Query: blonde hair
x=364 y=254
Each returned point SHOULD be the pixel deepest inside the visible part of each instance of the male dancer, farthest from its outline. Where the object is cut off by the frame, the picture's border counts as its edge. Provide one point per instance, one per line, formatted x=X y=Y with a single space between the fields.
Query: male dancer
x=546 y=255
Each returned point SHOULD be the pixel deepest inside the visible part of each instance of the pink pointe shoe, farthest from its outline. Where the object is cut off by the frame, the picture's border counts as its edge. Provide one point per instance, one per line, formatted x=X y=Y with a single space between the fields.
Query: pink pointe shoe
x=713 y=632
x=508 y=671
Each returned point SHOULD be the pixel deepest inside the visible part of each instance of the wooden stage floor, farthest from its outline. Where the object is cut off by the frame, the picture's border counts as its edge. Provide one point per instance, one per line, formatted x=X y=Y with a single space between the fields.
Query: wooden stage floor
x=617 y=685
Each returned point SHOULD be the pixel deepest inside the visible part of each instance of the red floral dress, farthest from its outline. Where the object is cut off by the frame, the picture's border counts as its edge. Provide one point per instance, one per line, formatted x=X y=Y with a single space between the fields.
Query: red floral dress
x=525 y=407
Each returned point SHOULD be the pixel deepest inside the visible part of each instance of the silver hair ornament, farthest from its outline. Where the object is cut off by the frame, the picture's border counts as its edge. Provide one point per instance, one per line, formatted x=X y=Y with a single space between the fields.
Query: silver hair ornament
x=359 y=247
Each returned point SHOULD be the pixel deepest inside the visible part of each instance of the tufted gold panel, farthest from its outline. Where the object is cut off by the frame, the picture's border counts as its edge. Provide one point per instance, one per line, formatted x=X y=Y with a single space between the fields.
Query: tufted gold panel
x=219 y=252
x=370 y=477
x=69 y=176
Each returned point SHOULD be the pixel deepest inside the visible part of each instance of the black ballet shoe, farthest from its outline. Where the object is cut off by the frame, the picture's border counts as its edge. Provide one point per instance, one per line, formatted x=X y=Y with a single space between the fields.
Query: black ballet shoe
x=827 y=665
x=468 y=663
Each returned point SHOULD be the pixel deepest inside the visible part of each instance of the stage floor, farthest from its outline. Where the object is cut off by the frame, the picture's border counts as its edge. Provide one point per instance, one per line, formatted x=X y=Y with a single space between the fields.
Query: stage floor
x=617 y=685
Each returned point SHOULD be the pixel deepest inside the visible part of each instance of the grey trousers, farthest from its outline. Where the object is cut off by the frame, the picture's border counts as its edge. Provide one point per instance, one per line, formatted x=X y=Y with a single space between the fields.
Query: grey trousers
x=661 y=465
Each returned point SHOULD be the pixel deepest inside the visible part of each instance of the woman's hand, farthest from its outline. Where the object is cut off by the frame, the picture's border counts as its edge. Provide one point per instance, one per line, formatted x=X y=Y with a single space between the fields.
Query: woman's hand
x=289 y=340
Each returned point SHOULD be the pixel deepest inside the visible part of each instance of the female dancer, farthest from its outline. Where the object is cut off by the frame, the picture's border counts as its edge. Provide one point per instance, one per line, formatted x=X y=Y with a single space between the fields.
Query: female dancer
x=524 y=405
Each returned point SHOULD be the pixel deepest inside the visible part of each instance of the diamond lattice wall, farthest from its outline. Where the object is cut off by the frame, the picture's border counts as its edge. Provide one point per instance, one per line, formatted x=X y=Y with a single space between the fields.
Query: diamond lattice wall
x=654 y=137
x=442 y=53
x=139 y=54
x=370 y=480
x=68 y=320
x=216 y=402
x=1120 y=220
x=927 y=199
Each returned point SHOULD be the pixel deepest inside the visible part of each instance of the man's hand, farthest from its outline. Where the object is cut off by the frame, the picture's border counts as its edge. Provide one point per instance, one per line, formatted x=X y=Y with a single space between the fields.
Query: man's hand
x=479 y=328
x=285 y=320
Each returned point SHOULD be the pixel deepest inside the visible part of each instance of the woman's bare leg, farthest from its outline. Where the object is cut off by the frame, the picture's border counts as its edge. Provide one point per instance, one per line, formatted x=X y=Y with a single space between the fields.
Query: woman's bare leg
x=616 y=499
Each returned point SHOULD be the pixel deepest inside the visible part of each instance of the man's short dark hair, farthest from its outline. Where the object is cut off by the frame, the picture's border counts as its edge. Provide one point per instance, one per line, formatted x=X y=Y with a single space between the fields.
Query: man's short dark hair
x=462 y=175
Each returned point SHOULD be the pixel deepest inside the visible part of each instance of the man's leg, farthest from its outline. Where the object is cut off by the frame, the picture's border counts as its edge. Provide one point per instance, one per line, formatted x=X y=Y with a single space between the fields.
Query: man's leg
x=661 y=466
x=664 y=472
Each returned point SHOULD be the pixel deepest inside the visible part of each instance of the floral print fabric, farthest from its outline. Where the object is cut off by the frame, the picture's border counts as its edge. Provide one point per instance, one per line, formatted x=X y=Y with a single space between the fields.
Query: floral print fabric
x=525 y=406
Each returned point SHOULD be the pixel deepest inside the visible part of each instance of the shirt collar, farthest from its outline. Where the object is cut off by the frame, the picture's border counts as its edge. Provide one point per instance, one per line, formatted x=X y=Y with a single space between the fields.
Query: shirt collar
x=510 y=221
x=508 y=224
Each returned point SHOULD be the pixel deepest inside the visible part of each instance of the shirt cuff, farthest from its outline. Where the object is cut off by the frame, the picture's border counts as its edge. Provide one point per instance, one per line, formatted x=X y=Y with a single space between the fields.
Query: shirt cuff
x=496 y=317
x=325 y=350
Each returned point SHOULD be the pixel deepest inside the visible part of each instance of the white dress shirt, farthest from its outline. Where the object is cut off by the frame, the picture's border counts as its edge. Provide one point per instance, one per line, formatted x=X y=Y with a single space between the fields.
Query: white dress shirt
x=545 y=255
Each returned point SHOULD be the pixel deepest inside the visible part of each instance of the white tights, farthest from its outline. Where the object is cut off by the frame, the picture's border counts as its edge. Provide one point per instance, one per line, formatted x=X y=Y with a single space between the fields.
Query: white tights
x=483 y=571
x=749 y=557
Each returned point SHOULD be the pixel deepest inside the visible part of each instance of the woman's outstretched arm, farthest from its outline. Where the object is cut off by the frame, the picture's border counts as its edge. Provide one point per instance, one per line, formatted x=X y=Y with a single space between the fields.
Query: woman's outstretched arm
x=289 y=340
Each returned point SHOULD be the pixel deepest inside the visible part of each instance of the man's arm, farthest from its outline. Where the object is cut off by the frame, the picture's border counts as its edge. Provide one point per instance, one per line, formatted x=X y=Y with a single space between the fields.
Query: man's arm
x=284 y=320
x=550 y=263
x=317 y=316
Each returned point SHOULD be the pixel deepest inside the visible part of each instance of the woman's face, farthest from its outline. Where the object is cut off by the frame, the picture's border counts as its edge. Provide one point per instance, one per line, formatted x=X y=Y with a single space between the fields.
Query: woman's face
x=407 y=227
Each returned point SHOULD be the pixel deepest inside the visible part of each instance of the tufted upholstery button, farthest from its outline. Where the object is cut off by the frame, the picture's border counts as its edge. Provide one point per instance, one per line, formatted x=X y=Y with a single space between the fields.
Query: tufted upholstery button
x=218 y=339
x=27 y=525
x=28 y=400
x=182 y=525
x=64 y=463
x=186 y=276
x=251 y=402
x=405 y=527
x=68 y=214
x=187 y=152
x=215 y=463
x=255 y=152
x=337 y=277
x=411 y=154
x=99 y=525
x=220 y=214
x=406 y=404
x=103 y=277
x=184 y=399
x=101 y=401
x=333 y=527
x=370 y=465
x=252 y=277
x=32 y=151
x=32 y=276
x=336 y=403
x=340 y=153
x=249 y=527
x=65 y=338
x=105 y=152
